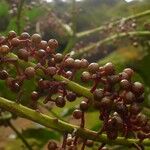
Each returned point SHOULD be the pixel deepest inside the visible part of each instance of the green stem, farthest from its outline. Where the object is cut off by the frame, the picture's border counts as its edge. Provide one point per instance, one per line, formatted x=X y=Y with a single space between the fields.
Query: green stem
x=109 y=39
x=62 y=126
x=19 y=11
x=92 y=31
x=72 y=40
x=19 y=135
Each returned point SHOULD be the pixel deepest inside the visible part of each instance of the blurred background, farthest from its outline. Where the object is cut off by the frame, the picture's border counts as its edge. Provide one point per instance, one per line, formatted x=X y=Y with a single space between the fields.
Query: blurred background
x=99 y=30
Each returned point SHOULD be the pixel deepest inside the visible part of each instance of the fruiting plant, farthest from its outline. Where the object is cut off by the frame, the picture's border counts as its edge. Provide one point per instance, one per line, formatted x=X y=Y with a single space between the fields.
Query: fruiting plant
x=116 y=97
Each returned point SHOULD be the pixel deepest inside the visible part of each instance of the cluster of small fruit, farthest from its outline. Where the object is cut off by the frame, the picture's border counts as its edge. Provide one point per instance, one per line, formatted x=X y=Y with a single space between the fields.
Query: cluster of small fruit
x=118 y=101
x=124 y=26
x=116 y=96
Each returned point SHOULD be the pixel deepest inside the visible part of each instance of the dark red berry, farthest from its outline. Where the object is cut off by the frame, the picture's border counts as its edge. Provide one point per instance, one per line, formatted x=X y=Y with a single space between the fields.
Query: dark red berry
x=85 y=76
x=36 y=38
x=12 y=34
x=15 y=41
x=51 y=71
x=69 y=74
x=34 y=95
x=77 y=63
x=52 y=145
x=51 y=62
x=77 y=114
x=71 y=96
x=125 y=84
x=98 y=94
x=15 y=87
x=69 y=141
x=41 y=53
x=53 y=44
x=69 y=62
x=106 y=103
x=109 y=68
x=24 y=36
x=3 y=75
x=89 y=143
x=140 y=99
x=4 y=49
x=60 y=101
x=84 y=63
x=93 y=67
x=23 y=54
x=135 y=109
x=129 y=97
x=29 y=72
x=58 y=57
x=129 y=71
x=84 y=106
x=138 y=88
x=43 y=45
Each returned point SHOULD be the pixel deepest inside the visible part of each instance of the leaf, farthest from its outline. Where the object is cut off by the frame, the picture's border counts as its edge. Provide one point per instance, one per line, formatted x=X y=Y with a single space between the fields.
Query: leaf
x=41 y=135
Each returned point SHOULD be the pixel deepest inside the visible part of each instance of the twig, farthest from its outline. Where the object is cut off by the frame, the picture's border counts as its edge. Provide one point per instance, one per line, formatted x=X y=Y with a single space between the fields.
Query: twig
x=61 y=126
x=109 y=39
x=19 y=135
x=92 y=31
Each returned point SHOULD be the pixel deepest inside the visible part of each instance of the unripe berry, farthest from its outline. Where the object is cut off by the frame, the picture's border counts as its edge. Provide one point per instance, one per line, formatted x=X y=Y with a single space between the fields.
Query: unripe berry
x=60 y=101
x=29 y=72
x=3 y=75
x=93 y=67
x=53 y=44
x=71 y=96
x=36 y=38
x=77 y=114
x=23 y=54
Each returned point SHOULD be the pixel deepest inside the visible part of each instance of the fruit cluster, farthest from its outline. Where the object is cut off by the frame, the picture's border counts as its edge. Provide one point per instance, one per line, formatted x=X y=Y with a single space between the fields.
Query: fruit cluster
x=115 y=96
